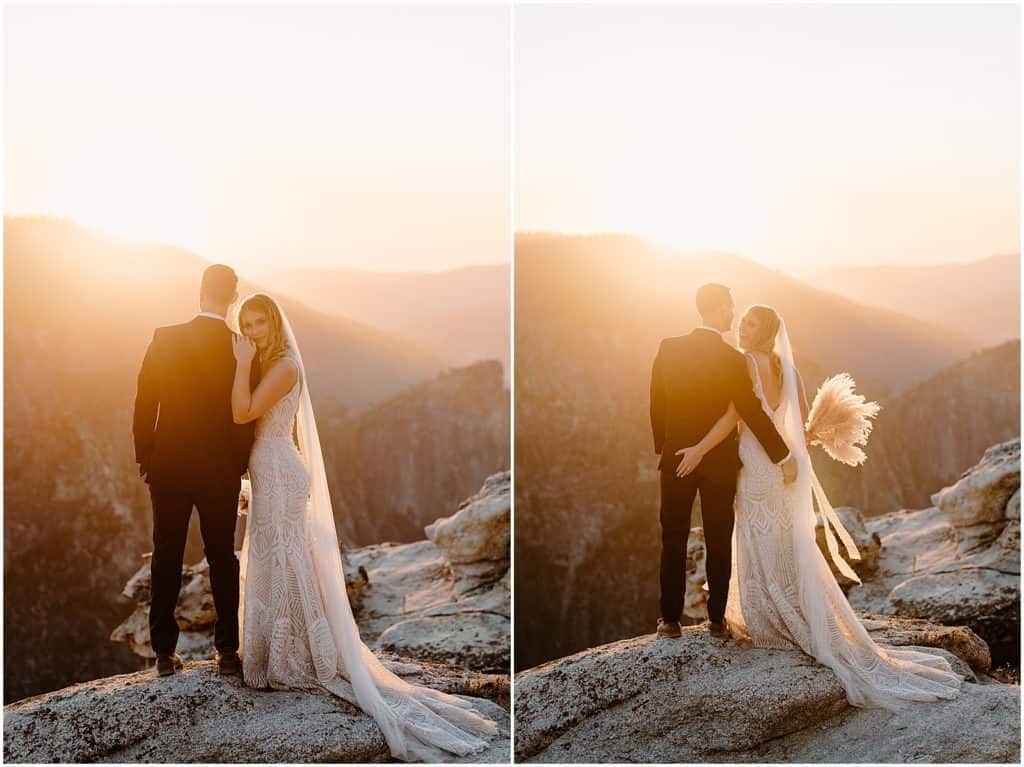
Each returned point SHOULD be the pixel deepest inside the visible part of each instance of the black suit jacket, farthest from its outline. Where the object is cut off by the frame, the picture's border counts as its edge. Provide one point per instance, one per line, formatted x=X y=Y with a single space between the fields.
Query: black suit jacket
x=694 y=379
x=185 y=436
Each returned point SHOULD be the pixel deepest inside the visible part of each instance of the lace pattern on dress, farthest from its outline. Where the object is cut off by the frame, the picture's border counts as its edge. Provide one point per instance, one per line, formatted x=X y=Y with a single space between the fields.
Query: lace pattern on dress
x=287 y=638
x=783 y=595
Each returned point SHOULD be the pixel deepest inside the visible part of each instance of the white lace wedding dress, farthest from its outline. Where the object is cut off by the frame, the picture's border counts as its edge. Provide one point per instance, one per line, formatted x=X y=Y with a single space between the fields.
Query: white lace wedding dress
x=782 y=593
x=297 y=627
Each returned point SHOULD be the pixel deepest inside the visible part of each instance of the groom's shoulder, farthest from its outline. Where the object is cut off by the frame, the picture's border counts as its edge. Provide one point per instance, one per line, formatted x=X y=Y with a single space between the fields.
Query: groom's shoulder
x=170 y=331
x=161 y=334
x=169 y=334
x=673 y=342
x=733 y=356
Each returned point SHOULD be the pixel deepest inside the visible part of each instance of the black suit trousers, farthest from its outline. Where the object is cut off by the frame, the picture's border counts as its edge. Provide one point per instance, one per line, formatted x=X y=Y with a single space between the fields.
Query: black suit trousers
x=217 y=514
x=717 y=488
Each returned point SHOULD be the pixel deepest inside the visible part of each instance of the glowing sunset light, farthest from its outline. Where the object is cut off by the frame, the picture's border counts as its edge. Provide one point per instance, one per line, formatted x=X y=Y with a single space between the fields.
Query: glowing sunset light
x=803 y=136
x=266 y=136
x=134 y=183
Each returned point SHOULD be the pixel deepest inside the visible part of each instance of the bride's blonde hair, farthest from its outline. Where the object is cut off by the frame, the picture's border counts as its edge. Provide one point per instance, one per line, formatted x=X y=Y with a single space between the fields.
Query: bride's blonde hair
x=278 y=345
x=768 y=324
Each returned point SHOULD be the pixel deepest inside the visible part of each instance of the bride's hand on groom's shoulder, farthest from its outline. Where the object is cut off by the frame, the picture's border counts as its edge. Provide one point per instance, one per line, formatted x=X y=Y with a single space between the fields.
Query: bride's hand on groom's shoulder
x=245 y=349
x=691 y=460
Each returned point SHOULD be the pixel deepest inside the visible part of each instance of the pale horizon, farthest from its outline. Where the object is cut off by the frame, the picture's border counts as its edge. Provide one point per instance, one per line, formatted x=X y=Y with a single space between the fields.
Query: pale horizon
x=267 y=136
x=802 y=137
x=798 y=272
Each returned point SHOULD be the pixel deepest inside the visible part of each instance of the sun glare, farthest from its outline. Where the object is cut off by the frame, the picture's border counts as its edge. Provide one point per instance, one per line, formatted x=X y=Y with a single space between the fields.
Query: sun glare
x=134 y=182
x=695 y=209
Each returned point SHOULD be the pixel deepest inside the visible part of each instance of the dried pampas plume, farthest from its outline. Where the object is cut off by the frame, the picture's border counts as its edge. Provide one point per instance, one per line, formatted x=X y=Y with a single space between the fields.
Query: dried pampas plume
x=840 y=420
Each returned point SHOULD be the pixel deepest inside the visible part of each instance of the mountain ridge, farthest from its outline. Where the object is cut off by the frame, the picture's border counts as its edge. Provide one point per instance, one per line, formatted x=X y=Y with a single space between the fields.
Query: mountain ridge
x=978 y=298
x=934 y=431
x=460 y=315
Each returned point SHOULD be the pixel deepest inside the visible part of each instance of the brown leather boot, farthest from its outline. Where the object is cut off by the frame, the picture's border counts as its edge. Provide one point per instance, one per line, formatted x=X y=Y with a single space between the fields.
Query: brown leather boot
x=166 y=664
x=229 y=663
x=719 y=630
x=668 y=629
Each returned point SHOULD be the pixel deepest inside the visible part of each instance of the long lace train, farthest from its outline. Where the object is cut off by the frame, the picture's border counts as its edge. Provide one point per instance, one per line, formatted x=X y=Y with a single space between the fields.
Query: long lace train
x=783 y=594
x=298 y=631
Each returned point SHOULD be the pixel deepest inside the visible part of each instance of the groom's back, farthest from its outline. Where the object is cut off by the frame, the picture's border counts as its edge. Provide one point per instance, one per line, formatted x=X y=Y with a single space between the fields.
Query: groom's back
x=691 y=388
x=197 y=446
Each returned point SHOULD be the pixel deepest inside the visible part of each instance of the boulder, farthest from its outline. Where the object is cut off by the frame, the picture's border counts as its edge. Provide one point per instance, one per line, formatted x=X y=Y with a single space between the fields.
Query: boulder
x=198 y=715
x=958 y=640
x=984 y=491
x=959 y=562
x=695 y=601
x=476 y=538
x=448 y=598
x=195 y=613
x=696 y=699
x=412 y=606
x=1013 y=506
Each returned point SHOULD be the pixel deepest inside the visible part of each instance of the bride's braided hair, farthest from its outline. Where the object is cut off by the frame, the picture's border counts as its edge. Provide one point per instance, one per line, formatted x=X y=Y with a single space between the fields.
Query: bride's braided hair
x=768 y=324
x=278 y=346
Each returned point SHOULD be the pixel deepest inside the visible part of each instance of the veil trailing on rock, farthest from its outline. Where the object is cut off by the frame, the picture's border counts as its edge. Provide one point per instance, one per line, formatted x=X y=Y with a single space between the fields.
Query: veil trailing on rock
x=418 y=723
x=819 y=617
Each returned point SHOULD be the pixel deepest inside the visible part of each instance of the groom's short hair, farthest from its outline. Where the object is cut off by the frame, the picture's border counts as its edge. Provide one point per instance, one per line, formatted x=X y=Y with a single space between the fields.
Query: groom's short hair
x=219 y=283
x=710 y=297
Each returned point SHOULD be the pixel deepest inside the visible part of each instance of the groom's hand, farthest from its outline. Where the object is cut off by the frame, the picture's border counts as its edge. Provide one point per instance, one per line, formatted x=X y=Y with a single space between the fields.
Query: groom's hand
x=789 y=470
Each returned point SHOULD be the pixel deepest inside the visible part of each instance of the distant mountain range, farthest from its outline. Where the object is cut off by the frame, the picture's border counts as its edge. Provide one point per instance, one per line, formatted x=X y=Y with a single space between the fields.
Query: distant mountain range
x=627 y=287
x=928 y=435
x=980 y=299
x=590 y=312
x=95 y=300
x=80 y=308
x=461 y=316
x=402 y=463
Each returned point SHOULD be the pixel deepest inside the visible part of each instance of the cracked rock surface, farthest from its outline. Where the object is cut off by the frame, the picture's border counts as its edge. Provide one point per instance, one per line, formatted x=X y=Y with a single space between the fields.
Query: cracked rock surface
x=198 y=715
x=957 y=563
x=696 y=699
x=420 y=604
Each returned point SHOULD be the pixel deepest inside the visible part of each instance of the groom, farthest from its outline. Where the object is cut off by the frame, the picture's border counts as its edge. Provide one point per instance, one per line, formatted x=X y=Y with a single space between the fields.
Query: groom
x=694 y=379
x=192 y=453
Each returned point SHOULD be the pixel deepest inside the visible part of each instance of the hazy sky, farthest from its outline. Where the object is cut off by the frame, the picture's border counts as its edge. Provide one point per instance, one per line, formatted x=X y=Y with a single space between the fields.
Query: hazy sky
x=267 y=136
x=798 y=135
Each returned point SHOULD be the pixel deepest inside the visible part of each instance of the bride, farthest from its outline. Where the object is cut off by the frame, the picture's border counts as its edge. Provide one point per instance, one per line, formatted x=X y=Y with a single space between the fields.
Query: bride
x=783 y=594
x=297 y=627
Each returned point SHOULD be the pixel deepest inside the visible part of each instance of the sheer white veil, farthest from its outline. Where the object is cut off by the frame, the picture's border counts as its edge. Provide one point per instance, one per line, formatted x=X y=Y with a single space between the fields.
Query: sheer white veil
x=871 y=675
x=807 y=487
x=417 y=722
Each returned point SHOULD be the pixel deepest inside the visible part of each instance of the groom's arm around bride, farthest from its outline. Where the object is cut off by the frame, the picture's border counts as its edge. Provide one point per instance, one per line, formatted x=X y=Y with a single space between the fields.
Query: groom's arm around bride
x=692 y=385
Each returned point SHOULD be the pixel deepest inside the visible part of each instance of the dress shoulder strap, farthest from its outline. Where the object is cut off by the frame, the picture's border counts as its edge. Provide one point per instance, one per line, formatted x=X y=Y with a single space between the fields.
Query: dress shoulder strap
x=757 y=372
x=291 y=355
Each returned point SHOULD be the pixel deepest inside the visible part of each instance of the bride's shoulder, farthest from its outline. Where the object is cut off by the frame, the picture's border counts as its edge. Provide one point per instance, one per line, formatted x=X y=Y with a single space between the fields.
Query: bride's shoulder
x=756 y=357
x=752 y=362
x=285 y=365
